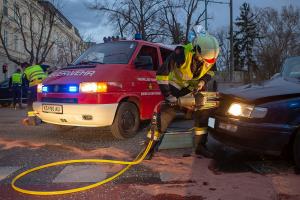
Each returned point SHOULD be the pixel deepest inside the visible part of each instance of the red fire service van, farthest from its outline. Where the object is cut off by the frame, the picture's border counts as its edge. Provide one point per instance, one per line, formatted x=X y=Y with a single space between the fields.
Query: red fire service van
x=110 y=85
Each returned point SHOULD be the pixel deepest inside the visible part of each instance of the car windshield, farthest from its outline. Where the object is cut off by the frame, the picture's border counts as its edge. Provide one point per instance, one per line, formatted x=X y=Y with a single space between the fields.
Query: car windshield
x=108 y=53
x=291 y=68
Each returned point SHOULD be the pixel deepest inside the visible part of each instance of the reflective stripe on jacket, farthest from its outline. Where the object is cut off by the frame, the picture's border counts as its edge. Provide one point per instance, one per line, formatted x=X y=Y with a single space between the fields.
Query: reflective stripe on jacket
x=16 y=78
x=176 y=71
x=35 y=74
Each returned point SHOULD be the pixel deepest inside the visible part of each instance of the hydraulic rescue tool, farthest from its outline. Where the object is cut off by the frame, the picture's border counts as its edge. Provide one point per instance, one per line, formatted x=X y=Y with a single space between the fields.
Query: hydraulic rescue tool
x=202 y=100
x=193 y=101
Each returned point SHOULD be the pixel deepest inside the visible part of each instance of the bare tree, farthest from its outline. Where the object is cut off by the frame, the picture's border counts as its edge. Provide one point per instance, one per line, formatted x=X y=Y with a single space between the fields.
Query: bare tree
x=139 y=16
x=178 y=25
x=224 y=56
x=281 y=38
x=34 y=21
x=69 y=50
x=171 y=23
x=192 y=16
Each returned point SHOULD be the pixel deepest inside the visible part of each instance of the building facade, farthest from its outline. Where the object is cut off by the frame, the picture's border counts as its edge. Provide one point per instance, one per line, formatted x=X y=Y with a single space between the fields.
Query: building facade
x=23 y=21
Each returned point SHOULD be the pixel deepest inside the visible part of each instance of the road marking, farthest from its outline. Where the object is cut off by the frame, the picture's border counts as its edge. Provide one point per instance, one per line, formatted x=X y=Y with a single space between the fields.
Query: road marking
x=172 y=176
x=6 y=171
x=81 y=174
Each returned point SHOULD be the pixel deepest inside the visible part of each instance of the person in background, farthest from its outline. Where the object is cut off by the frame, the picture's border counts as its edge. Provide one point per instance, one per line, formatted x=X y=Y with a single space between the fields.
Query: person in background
x=15 y=85
x=34 y=75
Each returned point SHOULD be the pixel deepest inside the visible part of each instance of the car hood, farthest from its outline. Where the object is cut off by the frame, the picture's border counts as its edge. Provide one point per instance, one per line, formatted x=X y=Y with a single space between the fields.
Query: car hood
x=278 y=88
x=91 y=73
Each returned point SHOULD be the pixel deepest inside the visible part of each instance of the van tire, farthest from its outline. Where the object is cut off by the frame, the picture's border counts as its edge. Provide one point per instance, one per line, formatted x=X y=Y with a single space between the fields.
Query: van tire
x=126 y=122
x=297 y=149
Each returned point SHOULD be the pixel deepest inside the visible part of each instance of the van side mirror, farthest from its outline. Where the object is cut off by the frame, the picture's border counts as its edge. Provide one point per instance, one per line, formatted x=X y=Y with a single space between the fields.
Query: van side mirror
x=144 y=62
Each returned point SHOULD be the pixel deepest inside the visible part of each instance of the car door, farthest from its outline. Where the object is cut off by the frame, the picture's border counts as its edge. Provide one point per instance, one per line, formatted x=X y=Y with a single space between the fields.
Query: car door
x=5 y=94
x=146 y=64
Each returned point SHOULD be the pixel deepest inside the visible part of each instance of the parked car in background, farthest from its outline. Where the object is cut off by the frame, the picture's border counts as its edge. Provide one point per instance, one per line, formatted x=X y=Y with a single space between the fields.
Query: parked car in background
x=6 y=94
x=264 y=117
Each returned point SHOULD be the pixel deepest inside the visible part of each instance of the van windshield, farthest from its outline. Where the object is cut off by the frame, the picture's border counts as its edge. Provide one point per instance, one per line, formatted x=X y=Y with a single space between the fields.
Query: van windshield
x=108 y=53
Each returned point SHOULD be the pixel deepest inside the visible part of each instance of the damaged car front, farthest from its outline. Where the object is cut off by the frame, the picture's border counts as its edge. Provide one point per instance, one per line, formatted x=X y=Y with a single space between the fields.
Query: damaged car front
x=264 y=117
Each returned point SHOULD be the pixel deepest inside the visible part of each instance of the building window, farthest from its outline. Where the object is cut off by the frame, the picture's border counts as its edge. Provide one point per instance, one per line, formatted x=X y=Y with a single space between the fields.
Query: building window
x=23 y=19
x=16 y=8
x=16 y=46
x=5 y=37
x=5 y=8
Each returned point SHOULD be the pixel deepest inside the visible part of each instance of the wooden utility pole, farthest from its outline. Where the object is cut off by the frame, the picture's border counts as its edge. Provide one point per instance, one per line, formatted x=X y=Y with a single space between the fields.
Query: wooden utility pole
x=230 y=3
x=231 y=43
x=206 y=2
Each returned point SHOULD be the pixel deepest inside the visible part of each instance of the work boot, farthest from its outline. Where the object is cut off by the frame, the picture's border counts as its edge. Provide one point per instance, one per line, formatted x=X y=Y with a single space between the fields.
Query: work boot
x=200 y=139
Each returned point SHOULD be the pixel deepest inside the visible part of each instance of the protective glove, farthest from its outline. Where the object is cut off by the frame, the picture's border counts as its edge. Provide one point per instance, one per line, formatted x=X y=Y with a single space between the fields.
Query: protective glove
x=201 y=84
x=171 y=100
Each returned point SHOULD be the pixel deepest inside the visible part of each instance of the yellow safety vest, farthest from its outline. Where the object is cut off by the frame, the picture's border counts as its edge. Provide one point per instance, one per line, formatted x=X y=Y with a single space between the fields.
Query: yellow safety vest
x=16 y=78
x=35 y=75
x=183 y=77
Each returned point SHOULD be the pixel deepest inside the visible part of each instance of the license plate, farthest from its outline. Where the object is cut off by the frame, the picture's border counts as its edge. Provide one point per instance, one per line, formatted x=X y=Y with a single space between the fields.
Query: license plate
x=211 y=122
x=49 y=108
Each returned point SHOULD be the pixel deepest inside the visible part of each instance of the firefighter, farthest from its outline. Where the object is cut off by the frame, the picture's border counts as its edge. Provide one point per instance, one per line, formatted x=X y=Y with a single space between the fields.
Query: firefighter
x=186 y=70
x=34 y=75
x=15 y=84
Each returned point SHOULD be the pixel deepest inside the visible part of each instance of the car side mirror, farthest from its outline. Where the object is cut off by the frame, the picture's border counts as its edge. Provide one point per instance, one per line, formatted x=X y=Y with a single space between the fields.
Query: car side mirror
x=144 y=62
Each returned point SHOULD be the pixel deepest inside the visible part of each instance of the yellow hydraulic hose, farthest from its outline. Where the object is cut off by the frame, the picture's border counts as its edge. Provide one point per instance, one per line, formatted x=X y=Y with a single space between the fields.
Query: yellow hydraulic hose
x=136 y=161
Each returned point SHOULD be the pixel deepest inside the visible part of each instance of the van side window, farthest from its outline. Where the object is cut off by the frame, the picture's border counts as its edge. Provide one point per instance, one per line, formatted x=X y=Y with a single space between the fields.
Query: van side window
x=147 y=58
x=165 y=53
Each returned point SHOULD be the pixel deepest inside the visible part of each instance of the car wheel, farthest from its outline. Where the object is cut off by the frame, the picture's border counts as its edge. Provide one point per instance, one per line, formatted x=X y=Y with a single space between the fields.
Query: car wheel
x=297 y=149
x=126 y=122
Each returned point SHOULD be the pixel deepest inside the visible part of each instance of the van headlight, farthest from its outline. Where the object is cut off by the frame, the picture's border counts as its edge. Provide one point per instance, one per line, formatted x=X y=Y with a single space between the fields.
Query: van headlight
x=93 y=87
x=40 y=88
x=245 y=110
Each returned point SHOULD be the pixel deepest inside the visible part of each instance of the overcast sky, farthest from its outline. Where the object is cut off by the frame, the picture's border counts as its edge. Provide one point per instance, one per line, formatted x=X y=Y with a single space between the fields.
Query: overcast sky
x=92 y=24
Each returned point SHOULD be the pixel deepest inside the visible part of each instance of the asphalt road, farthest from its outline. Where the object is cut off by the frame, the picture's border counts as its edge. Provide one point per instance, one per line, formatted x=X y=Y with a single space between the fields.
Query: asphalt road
x=171 y=174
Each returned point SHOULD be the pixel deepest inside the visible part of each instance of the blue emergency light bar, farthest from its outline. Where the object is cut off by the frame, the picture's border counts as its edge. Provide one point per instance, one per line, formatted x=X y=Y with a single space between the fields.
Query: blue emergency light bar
x=73 y=88
x=45 y=89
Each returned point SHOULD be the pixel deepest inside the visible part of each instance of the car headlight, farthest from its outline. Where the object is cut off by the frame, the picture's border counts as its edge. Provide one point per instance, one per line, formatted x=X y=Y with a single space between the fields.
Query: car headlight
x=92 y=87
x=245 y=110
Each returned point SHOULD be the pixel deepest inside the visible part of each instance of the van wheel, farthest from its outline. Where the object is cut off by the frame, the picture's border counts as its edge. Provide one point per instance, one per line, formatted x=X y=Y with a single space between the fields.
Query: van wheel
x=297 y=149
x=126 y=122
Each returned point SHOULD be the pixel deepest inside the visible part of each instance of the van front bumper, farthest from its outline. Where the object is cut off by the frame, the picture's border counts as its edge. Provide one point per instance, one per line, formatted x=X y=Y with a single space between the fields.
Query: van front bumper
x=89 y=115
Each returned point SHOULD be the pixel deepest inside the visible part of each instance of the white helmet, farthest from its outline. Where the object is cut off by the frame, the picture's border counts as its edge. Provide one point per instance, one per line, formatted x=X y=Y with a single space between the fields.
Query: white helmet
x=206 y=47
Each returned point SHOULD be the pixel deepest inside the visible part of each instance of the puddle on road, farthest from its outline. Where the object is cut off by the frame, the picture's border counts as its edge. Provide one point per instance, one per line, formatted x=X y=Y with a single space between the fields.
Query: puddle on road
x=230 y=160
x=243 y=162
x=177 y=197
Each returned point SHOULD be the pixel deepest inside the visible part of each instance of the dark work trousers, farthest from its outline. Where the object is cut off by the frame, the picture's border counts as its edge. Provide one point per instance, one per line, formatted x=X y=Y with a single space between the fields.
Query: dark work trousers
x=31 y=97
x=16 y=94
x=168 y=113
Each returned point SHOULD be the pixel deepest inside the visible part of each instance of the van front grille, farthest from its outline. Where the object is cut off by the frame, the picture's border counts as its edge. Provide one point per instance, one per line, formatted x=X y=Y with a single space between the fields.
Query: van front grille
x=59 y=100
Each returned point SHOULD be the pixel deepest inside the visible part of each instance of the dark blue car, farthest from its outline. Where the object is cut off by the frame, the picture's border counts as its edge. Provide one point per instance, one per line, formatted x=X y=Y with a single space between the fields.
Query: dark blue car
x=264 y=117
x=6 y=94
